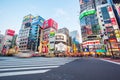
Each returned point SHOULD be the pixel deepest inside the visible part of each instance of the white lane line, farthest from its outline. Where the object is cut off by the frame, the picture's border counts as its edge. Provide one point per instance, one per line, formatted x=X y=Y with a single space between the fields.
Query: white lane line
x=110 y=61
x=23 y=72
x=28 y=68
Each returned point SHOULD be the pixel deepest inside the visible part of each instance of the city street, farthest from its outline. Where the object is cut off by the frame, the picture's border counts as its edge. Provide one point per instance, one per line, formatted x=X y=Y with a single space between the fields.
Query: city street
x=41 y=68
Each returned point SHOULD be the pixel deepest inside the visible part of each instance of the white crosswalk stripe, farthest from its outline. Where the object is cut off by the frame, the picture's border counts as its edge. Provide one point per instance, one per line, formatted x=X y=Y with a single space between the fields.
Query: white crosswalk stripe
x=17 y=66
x=28 y=68
x=23 y=72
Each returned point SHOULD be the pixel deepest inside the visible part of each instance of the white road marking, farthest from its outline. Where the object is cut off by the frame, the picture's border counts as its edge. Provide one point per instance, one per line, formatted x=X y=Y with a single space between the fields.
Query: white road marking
x=110 y=61
x=10 y=69
x=26 y=65
x=23 y=72
x=42 y=66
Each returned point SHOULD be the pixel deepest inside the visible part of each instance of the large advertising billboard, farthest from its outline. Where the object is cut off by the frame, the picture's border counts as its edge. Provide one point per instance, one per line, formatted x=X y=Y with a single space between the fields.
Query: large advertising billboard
x=88 y=12
x=50 y=23
x=10 y=32
x=37 y=20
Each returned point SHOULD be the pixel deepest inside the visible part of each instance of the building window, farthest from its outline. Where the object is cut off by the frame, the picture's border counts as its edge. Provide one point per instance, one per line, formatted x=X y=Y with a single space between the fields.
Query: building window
x=105 y=13
x=103 y=24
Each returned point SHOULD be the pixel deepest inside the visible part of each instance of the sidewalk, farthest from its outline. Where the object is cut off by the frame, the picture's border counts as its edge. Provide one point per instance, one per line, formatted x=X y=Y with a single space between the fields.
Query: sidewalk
x=115 y=61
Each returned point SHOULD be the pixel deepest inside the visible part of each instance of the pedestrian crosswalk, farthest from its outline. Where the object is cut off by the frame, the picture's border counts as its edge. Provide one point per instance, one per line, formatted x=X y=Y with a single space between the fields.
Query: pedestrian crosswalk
x=19 y=66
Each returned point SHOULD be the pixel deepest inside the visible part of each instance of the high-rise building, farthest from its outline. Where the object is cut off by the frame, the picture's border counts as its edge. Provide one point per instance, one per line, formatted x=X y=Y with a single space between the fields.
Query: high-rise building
x=90 y=27
x=30 y=32
x=35 y=33
x=106 y=32
x=108 y=20
x=25 y=32
x=88 y=20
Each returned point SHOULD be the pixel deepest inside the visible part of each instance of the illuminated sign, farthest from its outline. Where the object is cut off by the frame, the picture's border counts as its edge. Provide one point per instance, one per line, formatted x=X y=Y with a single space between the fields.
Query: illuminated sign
x=52 y=33
x=94 y=42
x=37 y=20
x=113 y=20
x=117 y=34
x=86 y=13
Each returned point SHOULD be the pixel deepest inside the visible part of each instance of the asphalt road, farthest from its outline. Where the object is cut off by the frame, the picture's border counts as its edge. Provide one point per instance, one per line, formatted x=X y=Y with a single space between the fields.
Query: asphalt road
x=58 y=69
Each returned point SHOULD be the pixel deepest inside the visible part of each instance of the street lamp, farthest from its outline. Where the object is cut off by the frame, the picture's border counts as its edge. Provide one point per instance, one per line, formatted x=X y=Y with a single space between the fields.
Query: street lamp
x=95 y=50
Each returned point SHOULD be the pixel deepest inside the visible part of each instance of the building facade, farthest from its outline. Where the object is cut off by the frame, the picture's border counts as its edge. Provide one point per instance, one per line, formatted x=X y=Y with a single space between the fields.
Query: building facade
x=35 y=33
x=60 y=43
x=1 y=42
x=66 y=32
x=88 y=20
x=109 y=23
x=107 y=35
x=50 y=28
x=7 y=41
x=103 y=13
x=25 y=32
x=90 y=27
x=75 y=41
x=29 y=34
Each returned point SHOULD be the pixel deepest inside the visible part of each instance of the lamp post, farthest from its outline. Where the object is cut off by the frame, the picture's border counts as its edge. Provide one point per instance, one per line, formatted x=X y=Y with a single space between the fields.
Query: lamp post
x=106 y=41
x=95 y=50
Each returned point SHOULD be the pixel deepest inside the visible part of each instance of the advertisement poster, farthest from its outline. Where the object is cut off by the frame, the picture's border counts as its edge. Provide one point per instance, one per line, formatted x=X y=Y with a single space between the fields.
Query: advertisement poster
x=88 y=30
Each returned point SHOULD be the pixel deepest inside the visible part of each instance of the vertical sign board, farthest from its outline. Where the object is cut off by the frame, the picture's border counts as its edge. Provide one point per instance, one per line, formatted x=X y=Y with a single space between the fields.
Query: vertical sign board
x=114 y=23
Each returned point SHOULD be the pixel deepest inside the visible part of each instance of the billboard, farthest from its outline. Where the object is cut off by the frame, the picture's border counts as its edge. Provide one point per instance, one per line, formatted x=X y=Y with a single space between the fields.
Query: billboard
x=86 y=13
x=88 y=30
x=27 y=18
x=10 y=32
x=92 y=42
x=50 y=23
x=37 y=20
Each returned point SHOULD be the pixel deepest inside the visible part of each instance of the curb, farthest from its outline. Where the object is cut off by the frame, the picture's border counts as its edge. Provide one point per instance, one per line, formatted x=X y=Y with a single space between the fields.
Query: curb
x=110 y=61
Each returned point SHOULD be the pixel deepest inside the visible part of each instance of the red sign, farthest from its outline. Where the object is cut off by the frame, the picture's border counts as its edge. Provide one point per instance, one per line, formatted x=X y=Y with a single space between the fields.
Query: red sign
x=91 y=42
x=113 y=40
x=109 y=8
x=10 y=32
x=50 y=23
x=113 y=20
